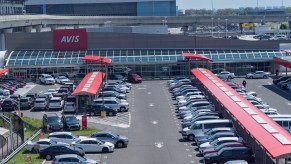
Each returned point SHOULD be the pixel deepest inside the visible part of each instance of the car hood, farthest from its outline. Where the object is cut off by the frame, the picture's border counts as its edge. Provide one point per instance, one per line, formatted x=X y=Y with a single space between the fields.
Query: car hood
x=90 y=161
x=64 y=80
x=186 y=129
x=205 y=145
x=50 y=79
x=250 y=74
x=109 y=144
x=73 y=122
x=209 y=150
x=122 y=137
x=210 y=155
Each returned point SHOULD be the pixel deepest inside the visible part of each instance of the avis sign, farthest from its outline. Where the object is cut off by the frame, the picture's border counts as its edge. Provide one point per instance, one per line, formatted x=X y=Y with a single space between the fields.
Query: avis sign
x=70 y=39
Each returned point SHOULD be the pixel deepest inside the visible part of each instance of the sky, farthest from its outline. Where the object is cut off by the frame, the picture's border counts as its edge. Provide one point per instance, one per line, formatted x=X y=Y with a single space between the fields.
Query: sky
x=219 y=4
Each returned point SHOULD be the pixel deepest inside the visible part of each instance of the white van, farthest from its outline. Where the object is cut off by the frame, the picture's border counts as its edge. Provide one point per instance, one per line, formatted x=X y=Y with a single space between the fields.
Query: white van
x=56 y=103
x=46 y=79
x=202 y=126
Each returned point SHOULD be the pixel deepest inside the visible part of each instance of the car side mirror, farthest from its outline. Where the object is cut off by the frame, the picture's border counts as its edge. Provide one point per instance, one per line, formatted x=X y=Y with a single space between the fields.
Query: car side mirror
x=112 y=137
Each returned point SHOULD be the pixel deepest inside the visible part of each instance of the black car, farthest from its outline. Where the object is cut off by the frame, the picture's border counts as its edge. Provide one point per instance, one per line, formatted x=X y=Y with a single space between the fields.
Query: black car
x=32 y=95
x=26 y=102
x=95 y=109
x=8 y=105
x=52 y=122
x=54 y=150
x=283 y=78
x=112 y=89
x=70 y=122
x=15 y=97
x=230 y=153
x=117 y=77
x=71 y=99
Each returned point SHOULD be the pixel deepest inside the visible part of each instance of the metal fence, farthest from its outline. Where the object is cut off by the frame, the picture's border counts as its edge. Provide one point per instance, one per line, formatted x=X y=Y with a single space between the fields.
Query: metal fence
x=10 y=140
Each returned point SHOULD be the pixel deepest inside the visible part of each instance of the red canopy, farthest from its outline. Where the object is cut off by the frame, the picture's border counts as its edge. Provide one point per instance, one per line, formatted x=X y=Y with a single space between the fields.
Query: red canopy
x=188 y=55
x=288 y=51
x=3 y=71
x=285 y=61
x=100 y=59
x=90 y=84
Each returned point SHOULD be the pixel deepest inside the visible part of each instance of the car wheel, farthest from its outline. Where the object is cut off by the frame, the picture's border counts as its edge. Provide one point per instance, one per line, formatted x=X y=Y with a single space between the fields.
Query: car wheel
x=110 y=114
x=229 y=77
x=105 y=150
x=34 y=150
x=48 y=157
x=265 y=77
x=251 y=77
x=191 y=137
x=122 y=109
x=120 y=144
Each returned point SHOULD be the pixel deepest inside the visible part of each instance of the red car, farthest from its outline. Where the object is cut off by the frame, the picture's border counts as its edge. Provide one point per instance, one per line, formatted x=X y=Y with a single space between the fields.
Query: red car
x=135 y=78
x=216 y=149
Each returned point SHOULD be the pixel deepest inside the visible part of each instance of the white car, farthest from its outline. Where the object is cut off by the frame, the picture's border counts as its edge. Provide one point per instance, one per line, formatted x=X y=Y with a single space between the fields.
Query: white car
x=94 y=145
x=258 y=75
x=52 y=91
x=46 y=79
x=66 y=137
x=226 y=75
x=62 y=79
x=41 y=144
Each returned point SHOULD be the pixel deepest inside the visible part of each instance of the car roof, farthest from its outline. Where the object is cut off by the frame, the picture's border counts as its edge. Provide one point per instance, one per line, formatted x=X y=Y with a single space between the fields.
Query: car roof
x=66 y=156
x=56 y=98
x=69 y=115
x=56 y=133
x=228 y=138
x=24 y=98
x=40 y=99
x=222 y=128
x=51 y=114
x=88 y=139
x=30 y=93
x=45 y=139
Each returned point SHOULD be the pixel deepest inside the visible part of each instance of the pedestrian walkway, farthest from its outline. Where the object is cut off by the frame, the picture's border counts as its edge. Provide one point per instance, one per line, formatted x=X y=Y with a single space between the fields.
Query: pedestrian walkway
x=25 y=89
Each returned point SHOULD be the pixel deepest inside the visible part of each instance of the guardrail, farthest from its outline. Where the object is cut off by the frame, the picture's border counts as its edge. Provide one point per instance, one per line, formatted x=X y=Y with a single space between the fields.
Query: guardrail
x=5 y=160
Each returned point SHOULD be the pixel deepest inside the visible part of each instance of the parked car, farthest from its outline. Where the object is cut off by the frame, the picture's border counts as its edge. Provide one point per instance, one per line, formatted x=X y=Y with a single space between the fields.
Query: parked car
x=115 y=103
x=15 y=97
x=70 y=122
x=46 y=79
x=26 y=103
x=66 y=137
x=52 y=91
x=54 y=150
x=112 y=94
x=56 y=103
x=40 y=144
x=52 y=122
x=118 y=140
x=44 y=96
x=5 y=92
x=32 y=95
x=62 y=79
x=95 y=109
x=134 y=78
x=258 y=74
x=8 y=105
x=40 y=104
x=217 y=148
x=70 y=107
x=226 y=75
x=71 y=99
x=94 y=145
x=230 y=153
x=214 y=136
x=282 y=78
x=72 y=159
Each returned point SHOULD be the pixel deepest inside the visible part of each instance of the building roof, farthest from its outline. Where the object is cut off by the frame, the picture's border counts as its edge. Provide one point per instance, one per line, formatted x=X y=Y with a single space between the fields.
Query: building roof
x=271 y=136
x=284 y=61
x=189 y=55
x=90 y=84
x=37 y=58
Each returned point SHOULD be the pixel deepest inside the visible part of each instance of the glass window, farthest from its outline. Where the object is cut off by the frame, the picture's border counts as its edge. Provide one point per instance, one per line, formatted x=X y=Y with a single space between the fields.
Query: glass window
x=243 y=56
x=197 y=126
x=159 y=58
x=123 y=59
x=173 y=58
x=152 y=59
x=214 y=57
x=151 y=52
x=158 y=52
x=257 y=56
x=53 y=61
x=229 y=56
x=130 y=59
x=60 y=61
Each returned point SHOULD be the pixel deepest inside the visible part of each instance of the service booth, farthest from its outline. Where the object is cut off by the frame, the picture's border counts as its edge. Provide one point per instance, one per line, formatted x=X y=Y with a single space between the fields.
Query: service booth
x=284 y=61
x=87 y=90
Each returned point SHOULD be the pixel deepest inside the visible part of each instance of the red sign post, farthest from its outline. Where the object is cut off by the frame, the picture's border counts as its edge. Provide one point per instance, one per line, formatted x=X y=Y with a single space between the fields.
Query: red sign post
x=70 y=39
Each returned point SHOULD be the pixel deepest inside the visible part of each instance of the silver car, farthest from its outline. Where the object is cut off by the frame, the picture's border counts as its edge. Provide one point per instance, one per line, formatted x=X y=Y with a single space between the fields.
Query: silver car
x=41 y=144
x=113 y=102
x=69 y=107
x=118 y=140
x=258 y=75
x=72 y=159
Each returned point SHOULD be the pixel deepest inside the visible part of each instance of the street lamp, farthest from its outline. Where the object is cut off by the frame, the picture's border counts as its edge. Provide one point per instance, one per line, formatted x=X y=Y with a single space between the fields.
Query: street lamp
x=226 y=28
x=212 y=26
x=287 y=19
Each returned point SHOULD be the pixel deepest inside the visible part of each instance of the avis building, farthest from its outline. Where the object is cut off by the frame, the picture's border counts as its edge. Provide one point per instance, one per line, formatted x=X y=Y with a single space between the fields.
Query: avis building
x=103 y=7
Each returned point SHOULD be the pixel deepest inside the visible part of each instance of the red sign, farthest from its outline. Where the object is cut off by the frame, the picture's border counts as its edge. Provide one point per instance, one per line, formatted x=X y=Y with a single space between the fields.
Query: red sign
x=70 y=39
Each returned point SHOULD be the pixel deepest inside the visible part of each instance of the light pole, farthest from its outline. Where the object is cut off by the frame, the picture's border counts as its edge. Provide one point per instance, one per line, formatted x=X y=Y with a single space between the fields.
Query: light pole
x=212 y=7
x=212 y=26
x=218 y=19
x=226 y=28
x=287 y=19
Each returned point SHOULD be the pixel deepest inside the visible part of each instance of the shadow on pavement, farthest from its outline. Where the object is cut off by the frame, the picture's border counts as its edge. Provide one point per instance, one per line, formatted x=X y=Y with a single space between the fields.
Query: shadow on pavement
x=278 y=91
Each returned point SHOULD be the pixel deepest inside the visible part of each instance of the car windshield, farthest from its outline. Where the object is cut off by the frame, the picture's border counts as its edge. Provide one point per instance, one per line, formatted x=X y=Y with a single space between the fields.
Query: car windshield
x=30 y=96
x=69 y=104
x=62 y=77
x=39 y=101
x=71 y=118
x=55 y=101
x=8 y=102
x=23 y=100
x=54 y=120
x=51 y=90
x=82 y=158
x=113 y=134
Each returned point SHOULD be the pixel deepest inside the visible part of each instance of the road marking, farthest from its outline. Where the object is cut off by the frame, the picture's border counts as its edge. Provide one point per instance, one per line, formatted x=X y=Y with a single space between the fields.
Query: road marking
x=159 y=144
x=149 y=93
x=105 y=157
x=191 y=161
x=40 y=91
x=269 y=83
x=189 y=155
x=185 y=144
x=43 y=162
x=151 y=104
x=289 y=103
x=154 y=122
x=187 y=149
x=141 y=88
x=177 y=124
x=259 y=86
x=103 y=162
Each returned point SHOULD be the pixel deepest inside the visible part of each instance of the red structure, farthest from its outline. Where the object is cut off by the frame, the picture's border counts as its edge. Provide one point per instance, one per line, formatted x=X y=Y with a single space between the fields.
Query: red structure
x=274 y=139
x=84 y=122
x=90 y=84
x=100 y=59
x=188 y=56
x=284 y=61
x=3 y=71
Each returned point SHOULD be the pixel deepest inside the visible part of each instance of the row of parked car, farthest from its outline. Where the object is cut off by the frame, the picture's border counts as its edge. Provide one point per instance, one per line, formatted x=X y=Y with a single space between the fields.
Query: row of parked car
x=215 y=137
x=283 y=82
x=9 y=86
x=66 y=147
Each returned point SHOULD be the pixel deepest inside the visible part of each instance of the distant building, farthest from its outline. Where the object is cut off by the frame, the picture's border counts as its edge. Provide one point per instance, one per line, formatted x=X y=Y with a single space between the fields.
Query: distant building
x=275 y=10
x=10 y=7
x=103 y=7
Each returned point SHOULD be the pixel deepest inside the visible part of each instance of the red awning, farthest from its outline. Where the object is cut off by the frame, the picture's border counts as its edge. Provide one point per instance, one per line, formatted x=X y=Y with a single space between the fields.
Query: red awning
x=271 y=136
x=90 y=84
x=285 y=61
x=100 y=59
x=188 y=55
x=3 y=71
x=288 y=51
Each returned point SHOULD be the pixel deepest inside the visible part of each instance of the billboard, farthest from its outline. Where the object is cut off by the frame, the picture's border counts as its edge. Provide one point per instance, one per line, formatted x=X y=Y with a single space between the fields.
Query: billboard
x=70 y=39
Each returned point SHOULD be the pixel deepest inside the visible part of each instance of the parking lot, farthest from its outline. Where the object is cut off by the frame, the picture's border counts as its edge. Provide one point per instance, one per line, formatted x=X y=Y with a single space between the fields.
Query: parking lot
x=152 y=125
